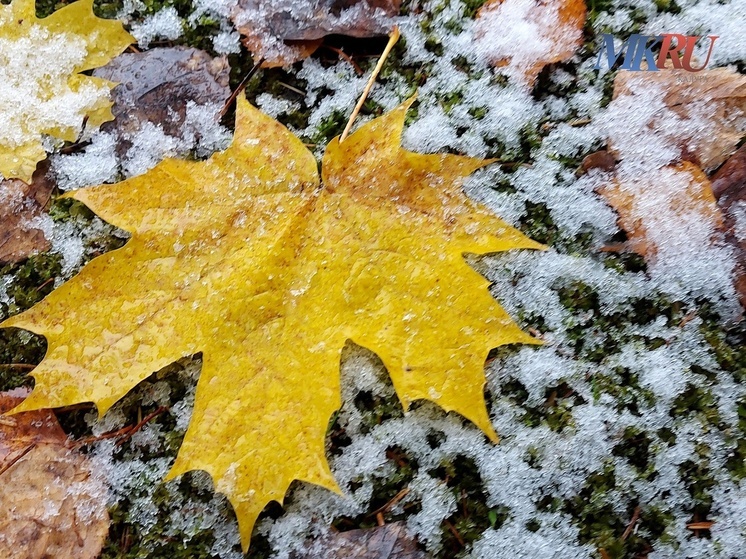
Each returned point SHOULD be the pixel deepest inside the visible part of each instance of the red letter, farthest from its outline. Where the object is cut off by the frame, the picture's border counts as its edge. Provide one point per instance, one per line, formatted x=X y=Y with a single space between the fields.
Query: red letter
x=691 y=41
x=672 y=51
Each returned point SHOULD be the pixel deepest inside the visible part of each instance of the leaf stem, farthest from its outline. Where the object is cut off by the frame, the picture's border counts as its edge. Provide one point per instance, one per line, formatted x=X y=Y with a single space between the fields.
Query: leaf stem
x=393 y=37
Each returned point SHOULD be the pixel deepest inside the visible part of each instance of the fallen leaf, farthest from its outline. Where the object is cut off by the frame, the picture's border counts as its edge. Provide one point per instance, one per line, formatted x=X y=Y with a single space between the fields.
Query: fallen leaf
x=647 y=212
x=42 y=88
x=20 y=203
x=246 y=258
x=50 y=503
x=389 y=541
x=597 y=160
x=157 y=85
x=284 y=31
x=654 y=127
x=712 y=100
x=729 y=187
x=523 y=36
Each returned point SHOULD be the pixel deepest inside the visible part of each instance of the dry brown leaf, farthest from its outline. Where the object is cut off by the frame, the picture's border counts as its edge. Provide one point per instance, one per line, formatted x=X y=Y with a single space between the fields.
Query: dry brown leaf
x=556 y=32
x=20 y=203
x=284 y=31
x=157 y=85
x=716 y=99
x=638 y=212
x=729 y=187
x=389 y=541
x=601 y=159
x=50 y=504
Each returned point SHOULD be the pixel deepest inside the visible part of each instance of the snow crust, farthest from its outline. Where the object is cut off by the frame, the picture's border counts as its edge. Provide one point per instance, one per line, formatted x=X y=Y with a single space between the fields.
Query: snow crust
x=31 y=68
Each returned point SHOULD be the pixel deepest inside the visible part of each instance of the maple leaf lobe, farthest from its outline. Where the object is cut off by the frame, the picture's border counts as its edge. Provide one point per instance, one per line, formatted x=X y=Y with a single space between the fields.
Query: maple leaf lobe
x=244 y=258
x=100 y=40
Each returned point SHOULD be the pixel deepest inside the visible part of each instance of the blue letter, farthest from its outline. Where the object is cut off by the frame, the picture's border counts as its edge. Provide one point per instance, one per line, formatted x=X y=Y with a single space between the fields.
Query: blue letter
x=611 y=55
x=637 y=49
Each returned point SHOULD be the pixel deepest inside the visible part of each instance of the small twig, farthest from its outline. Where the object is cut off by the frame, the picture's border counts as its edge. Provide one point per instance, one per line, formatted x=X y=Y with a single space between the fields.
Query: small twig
x=455 y=533
x=535 y=333
x=379 y=519
x=632 y=522
x=125 y=432
x=23 y=453
x=347 y=57
x=579 y=122
x=392 y=502
x=688 y=318
x=140 y=425
x=392 y=41
x=603 y=553
x=26 y=366
x=704 y=525
x=72 y=147
x=292 y=88
x=241 y=86
x=614 y=247
x=73 y=407
x=46 y=283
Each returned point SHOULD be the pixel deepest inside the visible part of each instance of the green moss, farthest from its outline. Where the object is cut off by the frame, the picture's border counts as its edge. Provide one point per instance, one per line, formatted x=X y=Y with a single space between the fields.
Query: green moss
x=449 y=100
x=32 y=281
x=696 y=400
x=471 y=7
x=727 y=343
x=634 y=446
x=556 y=412
x=331 y=126
x=375 y=409
x=472 y=516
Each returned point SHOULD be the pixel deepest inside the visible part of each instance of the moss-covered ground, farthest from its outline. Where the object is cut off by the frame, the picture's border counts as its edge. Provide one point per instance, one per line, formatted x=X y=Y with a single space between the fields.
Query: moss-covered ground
x=599 y=523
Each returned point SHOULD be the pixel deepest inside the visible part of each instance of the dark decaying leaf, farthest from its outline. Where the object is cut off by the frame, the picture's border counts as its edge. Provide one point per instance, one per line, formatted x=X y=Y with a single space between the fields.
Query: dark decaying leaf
x=20 y=203
x=157 y=85
x=602 y=159
x=51 y=505
x=729 y=187
x=389 y=541
x=268 y=24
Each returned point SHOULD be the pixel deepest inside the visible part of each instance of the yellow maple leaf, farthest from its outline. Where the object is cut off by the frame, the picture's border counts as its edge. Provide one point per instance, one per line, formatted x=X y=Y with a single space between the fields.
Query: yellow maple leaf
x=246 y=258
x=42 y=89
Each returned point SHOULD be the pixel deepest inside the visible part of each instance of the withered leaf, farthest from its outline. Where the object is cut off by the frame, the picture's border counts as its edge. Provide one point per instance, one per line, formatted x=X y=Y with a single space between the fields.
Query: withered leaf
x=157 y=85
x=284 y=31
x=20 y=203
x=646 y=211
x=50 y=503
x=601 y=159
x=716 y=98
x=550 y=30
x=389 y=541
x=729 y=187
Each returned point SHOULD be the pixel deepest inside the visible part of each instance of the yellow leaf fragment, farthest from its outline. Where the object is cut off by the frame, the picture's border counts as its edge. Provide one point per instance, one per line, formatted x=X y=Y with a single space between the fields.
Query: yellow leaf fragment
x=248 y=259
x=42 y=91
